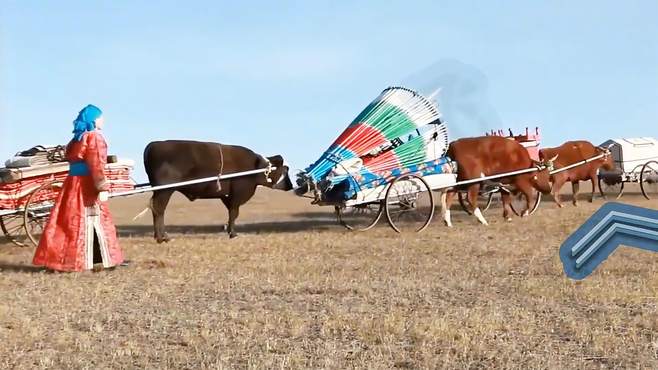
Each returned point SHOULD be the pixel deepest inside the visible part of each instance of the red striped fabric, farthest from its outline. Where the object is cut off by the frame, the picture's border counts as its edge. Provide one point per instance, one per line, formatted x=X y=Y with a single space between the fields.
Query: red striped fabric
x=14 y=196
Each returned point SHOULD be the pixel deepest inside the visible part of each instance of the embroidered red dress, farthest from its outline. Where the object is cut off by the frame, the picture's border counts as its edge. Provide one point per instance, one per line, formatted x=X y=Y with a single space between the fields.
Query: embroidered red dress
x=80 y=230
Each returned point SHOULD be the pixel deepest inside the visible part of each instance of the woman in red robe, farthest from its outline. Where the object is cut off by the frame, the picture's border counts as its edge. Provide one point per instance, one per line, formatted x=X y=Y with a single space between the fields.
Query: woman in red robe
x=80 y=231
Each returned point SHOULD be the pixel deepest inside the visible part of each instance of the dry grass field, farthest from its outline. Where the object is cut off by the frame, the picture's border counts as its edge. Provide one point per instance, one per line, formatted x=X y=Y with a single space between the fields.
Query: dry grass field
x=296 y=290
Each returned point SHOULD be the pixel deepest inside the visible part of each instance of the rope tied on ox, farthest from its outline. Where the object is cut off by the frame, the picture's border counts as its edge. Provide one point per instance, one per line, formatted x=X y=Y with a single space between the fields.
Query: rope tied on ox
x=268 y=171
x=221 y=168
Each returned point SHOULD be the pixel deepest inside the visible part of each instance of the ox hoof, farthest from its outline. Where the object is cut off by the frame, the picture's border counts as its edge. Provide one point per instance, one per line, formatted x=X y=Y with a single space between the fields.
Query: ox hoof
x=232 y=236
x=163 y=239
x=508 y=219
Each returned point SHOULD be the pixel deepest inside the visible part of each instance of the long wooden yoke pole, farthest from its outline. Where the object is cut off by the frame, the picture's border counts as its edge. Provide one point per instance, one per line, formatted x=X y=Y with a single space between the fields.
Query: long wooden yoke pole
x=585 y=161
x=484 y=178
x=519 y=172
x=190 y=182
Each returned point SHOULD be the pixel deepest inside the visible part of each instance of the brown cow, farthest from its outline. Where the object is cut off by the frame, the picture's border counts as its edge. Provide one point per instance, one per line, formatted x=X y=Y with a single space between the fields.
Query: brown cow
x=494 y=155
x=572 y=152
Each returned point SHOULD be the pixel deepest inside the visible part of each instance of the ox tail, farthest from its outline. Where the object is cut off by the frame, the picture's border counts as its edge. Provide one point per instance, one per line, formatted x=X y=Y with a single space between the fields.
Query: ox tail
x=143 y=212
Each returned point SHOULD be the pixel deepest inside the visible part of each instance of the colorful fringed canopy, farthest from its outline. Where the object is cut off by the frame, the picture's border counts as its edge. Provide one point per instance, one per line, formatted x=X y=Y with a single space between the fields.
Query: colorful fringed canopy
x=397 y=130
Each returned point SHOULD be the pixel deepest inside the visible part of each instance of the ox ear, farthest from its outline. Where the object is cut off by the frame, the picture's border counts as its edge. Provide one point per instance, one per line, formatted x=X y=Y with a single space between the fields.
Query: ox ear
x=276 y=160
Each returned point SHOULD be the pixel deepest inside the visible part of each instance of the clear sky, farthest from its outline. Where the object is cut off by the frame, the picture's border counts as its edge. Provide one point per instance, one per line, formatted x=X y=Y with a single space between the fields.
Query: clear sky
x=285 y=77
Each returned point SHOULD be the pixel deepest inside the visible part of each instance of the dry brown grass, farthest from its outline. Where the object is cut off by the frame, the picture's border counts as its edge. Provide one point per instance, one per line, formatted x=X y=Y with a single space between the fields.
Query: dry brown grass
x=297 y=291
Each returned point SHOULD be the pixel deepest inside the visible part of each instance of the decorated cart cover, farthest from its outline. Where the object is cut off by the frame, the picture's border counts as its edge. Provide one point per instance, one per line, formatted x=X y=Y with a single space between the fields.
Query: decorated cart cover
x=399 y=132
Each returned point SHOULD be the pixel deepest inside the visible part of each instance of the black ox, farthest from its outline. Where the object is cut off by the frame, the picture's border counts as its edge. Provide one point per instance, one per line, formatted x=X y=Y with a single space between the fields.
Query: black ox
x=173 y=161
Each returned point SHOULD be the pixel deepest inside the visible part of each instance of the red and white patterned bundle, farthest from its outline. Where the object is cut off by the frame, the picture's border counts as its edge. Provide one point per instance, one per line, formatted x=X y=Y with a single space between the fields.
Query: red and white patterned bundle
x=15 y=195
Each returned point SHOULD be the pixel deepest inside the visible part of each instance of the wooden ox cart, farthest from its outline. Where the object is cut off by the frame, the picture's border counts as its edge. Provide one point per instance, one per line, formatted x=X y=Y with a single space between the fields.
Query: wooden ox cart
x=27 y=194
x=389 y=161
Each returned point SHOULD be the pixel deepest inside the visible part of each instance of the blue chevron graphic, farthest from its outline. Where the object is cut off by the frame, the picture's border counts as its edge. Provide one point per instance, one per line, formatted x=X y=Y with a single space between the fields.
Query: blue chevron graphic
x=614 y=224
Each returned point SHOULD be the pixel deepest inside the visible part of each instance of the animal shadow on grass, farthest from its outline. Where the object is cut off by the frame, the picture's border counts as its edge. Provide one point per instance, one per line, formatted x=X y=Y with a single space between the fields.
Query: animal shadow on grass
x=15 y=267
x=309 y=222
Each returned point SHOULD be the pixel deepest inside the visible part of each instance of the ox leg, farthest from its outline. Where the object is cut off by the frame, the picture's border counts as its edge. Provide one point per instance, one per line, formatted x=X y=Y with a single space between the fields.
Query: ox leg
x=526 y=189
x=446 y=202
x=593 y=177
x=575 y=187
x=159 y=203
x=506 y=197
x=473 y=192
x=555 y=192
x=242 y=190
x=233 y=212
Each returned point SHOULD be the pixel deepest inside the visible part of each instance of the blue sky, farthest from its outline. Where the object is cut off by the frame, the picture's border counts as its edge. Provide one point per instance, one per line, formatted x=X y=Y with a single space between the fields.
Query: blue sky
x=287 y=77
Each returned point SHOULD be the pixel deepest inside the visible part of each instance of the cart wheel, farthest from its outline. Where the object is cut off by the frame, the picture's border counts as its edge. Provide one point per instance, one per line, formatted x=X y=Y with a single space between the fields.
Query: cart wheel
x=12 y=227
x=519 y=203
x=611 y=186
x=649 y=179
x=360 y=217
x=409 y=204
x=487 y=198
x=37 y=209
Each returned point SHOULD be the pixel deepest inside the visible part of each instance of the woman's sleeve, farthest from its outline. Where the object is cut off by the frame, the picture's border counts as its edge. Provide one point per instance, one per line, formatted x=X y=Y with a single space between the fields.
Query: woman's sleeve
x=96 y=158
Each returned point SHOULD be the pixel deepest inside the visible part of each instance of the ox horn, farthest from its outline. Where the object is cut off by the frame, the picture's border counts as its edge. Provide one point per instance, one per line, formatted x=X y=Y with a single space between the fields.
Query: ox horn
x=547 y=163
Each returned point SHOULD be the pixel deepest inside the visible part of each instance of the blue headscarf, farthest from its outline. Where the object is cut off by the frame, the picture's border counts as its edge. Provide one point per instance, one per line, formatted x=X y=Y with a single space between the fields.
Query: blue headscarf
x=85 y=121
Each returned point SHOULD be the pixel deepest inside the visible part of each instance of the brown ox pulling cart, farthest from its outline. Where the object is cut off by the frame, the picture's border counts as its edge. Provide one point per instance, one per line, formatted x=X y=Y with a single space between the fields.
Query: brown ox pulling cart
x=492 y=189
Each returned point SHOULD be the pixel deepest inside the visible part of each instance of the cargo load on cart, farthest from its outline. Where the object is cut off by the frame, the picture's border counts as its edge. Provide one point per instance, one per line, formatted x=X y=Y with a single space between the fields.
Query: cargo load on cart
x=30 y=183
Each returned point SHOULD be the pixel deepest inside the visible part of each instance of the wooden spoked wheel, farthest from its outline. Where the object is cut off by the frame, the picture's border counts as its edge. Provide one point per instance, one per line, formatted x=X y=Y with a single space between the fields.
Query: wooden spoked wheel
x=649 y=180
x=486 y=199
x=37 y=209
x=519 y=203
x=611 y=185
x=409 y=204
x=359 y=217
x=13 y=228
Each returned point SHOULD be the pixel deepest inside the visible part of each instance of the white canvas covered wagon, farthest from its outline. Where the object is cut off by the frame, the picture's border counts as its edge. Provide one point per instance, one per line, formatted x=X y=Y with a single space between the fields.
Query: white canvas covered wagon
x=636 y=161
